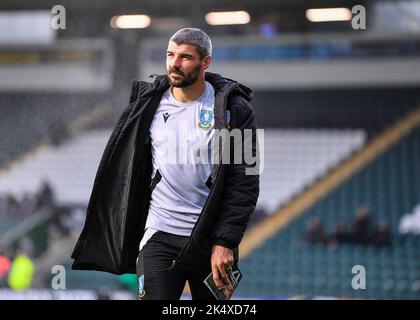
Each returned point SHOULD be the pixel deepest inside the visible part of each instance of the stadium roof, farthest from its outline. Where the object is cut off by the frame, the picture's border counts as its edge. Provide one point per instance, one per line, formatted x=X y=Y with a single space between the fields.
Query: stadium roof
x=93 y=16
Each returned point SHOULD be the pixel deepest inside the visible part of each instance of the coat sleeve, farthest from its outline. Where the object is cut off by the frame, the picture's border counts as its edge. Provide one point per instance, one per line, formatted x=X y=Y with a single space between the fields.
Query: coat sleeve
x=241 y=190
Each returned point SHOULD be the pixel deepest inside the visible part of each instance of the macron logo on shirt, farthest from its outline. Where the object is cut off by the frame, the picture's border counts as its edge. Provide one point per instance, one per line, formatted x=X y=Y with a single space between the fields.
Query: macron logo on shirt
x=166 y=116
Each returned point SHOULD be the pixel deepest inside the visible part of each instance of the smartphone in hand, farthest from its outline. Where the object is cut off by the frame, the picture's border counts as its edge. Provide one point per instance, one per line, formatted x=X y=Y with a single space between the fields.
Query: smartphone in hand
x=224 y=294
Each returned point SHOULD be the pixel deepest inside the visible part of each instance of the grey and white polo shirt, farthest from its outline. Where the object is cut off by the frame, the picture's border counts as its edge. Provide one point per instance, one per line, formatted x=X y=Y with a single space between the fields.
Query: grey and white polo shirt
x=181 y=136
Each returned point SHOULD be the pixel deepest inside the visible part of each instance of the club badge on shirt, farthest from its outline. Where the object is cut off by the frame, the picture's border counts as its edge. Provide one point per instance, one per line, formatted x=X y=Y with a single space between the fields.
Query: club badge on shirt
x=206 y=119
x=142 y=292
x=228 y=119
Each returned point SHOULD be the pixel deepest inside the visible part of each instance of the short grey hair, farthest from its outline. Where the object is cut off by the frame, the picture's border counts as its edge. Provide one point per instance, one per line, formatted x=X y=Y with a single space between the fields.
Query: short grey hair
x=195 y=37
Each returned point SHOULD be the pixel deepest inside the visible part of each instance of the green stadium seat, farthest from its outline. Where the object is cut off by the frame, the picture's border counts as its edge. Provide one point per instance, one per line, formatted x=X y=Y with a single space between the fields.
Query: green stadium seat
x=390 y=185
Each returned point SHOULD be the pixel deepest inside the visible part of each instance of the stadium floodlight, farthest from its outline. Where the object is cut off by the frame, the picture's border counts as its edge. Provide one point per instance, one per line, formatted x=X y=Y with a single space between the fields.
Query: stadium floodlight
x=227 y=17
x=132 y=21
x=328 y=14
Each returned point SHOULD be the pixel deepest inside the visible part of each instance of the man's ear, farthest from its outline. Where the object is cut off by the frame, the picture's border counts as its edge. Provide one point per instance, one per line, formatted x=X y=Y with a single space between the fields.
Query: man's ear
x=206 y=62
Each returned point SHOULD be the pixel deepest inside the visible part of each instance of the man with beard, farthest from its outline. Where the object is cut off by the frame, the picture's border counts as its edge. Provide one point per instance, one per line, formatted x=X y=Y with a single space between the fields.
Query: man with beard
x=191 y=219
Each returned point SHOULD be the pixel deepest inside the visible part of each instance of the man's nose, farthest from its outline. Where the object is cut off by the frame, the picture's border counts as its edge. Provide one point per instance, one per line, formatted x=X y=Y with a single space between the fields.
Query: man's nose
x=176 y=62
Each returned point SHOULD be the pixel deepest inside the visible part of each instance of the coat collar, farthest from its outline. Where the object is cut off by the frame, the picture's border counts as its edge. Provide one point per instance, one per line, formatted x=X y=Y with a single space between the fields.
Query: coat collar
x=221 y=85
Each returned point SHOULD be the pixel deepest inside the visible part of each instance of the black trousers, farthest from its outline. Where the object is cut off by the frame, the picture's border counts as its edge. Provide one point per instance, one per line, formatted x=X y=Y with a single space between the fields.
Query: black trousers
x=156 y=282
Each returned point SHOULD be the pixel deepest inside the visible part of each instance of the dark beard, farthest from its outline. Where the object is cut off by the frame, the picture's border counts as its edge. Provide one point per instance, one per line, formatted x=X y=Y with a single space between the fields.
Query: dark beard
x=188 y=80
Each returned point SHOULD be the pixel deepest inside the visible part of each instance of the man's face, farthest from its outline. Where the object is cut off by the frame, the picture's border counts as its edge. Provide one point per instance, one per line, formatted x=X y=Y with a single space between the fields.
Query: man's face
x=184 y=64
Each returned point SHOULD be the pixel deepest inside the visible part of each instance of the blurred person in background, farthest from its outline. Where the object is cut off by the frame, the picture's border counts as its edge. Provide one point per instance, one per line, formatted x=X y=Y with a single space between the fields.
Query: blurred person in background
x=142 y=206
x=339 y=236
x=315 y=232
x=58 y=132
x=45 y=196
x=21 y=272
x=10 y=206
x=128 y=281
x=4 y=268
x=382 y=236
x=27 y=205
x=2 y=205
x=361 y=226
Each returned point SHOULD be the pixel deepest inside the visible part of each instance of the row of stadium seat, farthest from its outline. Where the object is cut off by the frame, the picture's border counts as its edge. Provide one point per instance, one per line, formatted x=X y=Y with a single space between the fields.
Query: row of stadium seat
x=26 y=119
x=293 y=159
x=370 y=109
x=390 y=185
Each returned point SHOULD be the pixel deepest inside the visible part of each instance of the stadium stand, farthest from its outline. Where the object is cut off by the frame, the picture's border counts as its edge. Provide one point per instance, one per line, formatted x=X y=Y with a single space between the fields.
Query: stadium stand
x=8 y=223
x=304 y=154
x=322 y=92
x=370 y=109
x=285 y=266
x=70 y=168
x=89 y=279
x=295 y=158
x=28 y=119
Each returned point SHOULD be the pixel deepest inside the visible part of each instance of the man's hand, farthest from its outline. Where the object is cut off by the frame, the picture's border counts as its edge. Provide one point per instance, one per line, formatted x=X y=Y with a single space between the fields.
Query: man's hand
x=221 y=265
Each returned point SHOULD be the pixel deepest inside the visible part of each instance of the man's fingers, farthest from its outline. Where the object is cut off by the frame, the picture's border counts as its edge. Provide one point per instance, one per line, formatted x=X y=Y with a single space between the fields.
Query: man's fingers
x=221 y=260
x=224 y=275
x=216 y=277
x=228 y=293
x=229 y=271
